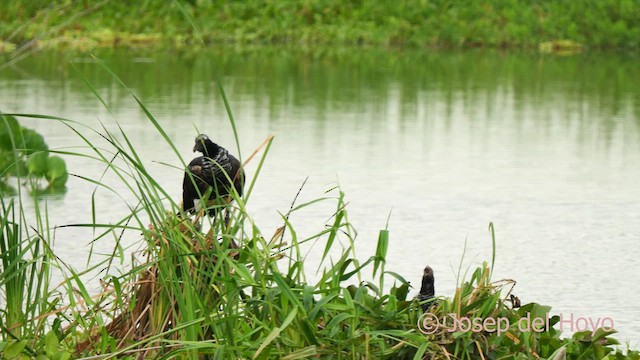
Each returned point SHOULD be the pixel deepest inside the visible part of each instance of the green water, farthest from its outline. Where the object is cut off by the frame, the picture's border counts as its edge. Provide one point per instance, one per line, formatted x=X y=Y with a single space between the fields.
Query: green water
x=548 y=148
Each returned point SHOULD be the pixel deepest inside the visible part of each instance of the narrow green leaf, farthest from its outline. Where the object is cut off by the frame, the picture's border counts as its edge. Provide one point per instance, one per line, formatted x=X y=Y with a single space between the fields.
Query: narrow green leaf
x=493 y=247
x=332 y=234
x=304 y=353
x=276 y=331
x=381 y=249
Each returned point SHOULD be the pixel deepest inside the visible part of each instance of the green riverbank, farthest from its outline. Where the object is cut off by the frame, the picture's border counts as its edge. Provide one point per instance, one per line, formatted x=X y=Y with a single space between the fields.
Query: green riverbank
x=549 y=25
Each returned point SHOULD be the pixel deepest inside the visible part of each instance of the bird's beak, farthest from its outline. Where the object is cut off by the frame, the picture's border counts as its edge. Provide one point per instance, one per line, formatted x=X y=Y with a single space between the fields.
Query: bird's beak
x=195 y=147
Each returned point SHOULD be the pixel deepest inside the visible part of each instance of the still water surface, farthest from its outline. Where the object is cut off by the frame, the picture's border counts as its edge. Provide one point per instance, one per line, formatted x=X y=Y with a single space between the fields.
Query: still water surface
x=546 y=148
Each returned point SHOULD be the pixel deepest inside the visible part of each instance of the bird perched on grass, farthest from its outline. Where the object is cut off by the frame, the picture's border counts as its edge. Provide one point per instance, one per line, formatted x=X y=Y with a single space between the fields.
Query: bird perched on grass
x=215 y=173
x=427 y=290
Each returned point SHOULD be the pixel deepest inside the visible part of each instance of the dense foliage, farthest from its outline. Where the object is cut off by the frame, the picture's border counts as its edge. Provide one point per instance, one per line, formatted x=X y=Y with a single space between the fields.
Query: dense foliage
x=24 y=154
x=415 y=23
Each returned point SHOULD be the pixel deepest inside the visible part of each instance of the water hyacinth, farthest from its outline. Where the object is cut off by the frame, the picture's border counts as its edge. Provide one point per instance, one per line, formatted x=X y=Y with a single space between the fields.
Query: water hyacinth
x=25 y=154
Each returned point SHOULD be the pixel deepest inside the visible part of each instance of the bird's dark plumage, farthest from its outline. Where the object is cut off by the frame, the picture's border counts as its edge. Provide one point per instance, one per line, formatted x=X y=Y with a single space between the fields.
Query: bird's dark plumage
x=427 y=290
x=212 y=170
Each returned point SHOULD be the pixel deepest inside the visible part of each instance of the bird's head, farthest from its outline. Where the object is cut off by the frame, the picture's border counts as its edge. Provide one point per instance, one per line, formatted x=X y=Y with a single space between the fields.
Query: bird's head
x=201 y=143
x=428 y=272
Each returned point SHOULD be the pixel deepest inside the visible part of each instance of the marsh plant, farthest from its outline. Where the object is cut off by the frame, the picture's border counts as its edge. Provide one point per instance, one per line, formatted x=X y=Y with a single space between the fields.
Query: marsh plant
x=24 y=154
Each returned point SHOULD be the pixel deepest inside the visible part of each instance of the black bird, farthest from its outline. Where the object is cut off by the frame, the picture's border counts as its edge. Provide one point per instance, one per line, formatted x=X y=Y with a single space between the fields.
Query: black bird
x=427 y=291
x=212 y=171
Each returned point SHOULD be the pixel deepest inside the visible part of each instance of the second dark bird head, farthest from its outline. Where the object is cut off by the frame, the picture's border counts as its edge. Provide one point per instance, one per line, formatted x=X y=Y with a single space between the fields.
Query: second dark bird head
x=201 y=143
x=428 y=272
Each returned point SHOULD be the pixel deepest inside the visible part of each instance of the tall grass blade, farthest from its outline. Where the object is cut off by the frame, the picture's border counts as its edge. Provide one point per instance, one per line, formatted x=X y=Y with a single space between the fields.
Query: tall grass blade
x=493 y=247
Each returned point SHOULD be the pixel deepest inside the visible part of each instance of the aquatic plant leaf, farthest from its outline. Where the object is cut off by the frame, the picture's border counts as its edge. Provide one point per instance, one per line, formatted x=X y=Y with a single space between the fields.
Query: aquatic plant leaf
x=51 y=344
x=56 y=172
x=15 y=167
x=400 y=292
x=6 y=189
x=5 y=161
x=9 y=127
x=24 y=152
x=12 y=350
x=32 y=142
x=540 y=311
x=37 y=163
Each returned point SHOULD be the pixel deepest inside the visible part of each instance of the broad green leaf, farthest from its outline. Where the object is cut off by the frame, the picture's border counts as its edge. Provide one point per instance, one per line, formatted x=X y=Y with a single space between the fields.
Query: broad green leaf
x=51 y=344
x=33 y=141
x=37 y=163
x=56 y=172
x=9 y=128
x=13 y=350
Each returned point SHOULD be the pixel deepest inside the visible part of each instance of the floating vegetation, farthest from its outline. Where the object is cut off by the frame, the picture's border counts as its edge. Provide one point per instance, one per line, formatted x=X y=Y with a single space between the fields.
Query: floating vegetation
x=25 y=154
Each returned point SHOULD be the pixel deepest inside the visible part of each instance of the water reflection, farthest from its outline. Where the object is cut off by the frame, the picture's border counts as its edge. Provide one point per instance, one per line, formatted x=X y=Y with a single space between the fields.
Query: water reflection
x=279 y=79
x=545 y=147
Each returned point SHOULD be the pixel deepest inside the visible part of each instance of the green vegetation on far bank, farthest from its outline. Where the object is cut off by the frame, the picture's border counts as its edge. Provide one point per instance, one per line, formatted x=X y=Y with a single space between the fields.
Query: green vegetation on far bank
x=547 y=24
